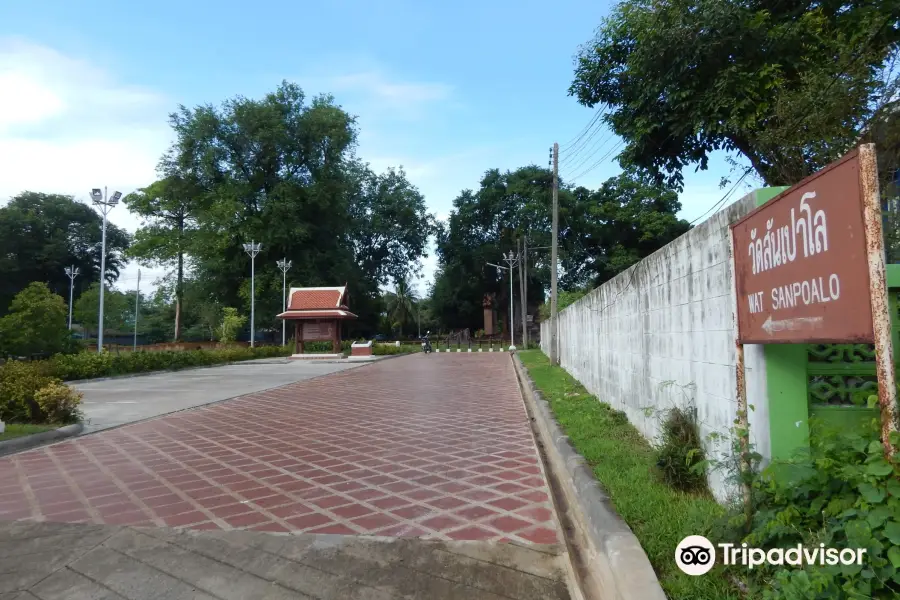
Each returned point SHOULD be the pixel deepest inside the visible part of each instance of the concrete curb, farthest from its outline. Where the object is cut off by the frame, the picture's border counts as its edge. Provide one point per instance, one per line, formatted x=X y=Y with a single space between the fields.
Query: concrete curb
x=607 y=556
x=27 y=442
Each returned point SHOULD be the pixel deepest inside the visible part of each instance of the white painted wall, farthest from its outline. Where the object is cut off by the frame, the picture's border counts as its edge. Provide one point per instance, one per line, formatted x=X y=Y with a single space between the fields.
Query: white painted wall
x=670 y=318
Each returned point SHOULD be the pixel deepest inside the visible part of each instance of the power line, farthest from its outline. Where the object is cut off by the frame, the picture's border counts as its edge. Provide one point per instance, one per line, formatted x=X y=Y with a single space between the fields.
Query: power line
x=568 y=145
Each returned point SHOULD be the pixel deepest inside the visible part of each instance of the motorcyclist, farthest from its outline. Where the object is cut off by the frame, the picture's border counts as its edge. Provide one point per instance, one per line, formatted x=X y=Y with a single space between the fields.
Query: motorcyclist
x=426 y=343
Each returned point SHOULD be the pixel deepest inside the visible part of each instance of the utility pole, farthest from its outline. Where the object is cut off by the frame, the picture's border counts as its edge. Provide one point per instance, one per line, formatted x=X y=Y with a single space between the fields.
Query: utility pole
x=554 y=325
x=137 y=301
x=522 y=302
x=72 y=272
x=511 y=261
x=252 y=249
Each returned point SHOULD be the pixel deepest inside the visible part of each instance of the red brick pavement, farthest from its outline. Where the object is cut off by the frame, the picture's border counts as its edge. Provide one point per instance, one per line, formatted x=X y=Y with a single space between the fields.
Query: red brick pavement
x=432 y=446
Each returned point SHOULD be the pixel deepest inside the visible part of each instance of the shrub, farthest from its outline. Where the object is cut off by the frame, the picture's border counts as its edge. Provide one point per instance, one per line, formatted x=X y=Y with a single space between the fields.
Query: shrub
x=59 y=403
x=36 y=324
x=19 y=382
x=89 y=365
x=680 y=456
x=841 y=493
x=391 y=349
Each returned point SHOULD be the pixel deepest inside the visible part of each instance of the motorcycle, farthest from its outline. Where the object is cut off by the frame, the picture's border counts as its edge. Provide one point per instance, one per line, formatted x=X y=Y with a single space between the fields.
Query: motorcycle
x=426 y=344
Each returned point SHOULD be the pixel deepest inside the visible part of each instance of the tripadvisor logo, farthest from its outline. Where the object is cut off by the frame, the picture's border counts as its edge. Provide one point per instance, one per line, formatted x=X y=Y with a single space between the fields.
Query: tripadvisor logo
x=696 y=555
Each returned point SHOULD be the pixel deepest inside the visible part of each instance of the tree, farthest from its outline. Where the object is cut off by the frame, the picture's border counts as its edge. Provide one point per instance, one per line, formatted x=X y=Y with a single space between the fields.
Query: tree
x=169 y=209
x=628 y=218
x=401 y=305
x=390 y=227
x=281 y=171
x=789 y=85
x=36 y=323
x=118 y=309
x=42 y=234
x=602 y=233
x=232 y=323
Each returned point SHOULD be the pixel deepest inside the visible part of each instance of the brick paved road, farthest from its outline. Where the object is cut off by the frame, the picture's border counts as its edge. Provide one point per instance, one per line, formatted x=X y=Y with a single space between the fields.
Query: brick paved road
x=437 y=447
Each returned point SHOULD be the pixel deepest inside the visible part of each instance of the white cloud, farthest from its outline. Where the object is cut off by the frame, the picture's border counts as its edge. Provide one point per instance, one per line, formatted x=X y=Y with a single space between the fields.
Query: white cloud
x=67 y=126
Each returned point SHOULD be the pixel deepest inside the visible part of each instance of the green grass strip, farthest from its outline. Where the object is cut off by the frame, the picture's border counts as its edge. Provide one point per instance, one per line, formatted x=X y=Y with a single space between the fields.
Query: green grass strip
x=624 y=462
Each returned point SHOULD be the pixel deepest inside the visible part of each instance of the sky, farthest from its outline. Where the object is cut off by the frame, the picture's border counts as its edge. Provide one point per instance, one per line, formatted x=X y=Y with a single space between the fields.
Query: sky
x=445 y=90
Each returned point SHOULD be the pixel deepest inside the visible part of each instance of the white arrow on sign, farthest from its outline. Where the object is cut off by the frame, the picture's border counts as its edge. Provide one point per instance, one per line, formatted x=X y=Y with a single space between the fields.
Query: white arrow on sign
x=790 y=324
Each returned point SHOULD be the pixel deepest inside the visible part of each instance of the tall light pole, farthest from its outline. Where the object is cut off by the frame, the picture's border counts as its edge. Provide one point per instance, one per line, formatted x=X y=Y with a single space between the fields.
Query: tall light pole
x=285 y=265
x=72 y=272
x=105 y=204
x=252 y=249
x=137 y=302
x=554 y=251
x=511 y=260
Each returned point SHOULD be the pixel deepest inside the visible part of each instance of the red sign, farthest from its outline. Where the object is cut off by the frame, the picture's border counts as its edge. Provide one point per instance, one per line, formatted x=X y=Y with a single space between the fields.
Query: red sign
x=800 y=261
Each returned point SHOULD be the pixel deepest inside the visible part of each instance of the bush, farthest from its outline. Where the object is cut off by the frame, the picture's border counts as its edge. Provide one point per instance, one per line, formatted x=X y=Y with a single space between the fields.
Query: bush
x=19 y=383
x=680 y=456
x=841 y=493
x=36 y=324
x=59 y=403
x=89 y=365
x=391 y=349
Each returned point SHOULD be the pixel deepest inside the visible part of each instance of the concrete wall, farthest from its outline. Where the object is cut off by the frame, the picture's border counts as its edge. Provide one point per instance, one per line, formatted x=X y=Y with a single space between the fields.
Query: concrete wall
x=662 y=333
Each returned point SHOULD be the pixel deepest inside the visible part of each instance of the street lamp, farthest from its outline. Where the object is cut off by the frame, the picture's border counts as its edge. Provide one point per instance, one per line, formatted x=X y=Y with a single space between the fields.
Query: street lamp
x=252 y=249
x=99 y=198
x=72 y=272
x=511 y=259
x=285 y=265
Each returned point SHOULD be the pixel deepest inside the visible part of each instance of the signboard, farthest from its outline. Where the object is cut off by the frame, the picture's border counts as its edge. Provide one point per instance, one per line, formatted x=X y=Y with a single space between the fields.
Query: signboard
x=313 y=332
x=800 y=263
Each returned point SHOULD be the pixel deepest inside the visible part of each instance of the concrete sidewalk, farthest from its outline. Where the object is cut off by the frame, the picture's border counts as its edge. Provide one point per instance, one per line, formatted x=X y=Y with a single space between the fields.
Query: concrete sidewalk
x=120 y=400
x=56 y=561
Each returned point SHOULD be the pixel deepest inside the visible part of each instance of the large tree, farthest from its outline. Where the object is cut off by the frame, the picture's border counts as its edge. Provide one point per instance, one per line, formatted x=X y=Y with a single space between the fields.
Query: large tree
x=42 y=234
x=169 y=209
x=609 y=229
x=602 y=233
x=281 y=171
x=36 y=324
x=788 y=85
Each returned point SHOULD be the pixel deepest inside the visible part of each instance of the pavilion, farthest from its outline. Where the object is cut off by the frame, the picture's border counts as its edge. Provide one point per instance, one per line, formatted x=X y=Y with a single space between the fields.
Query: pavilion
x=317 y=313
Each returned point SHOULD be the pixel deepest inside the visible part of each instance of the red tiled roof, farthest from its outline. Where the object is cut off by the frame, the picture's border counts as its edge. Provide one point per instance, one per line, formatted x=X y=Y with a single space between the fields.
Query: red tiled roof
x=316 y=298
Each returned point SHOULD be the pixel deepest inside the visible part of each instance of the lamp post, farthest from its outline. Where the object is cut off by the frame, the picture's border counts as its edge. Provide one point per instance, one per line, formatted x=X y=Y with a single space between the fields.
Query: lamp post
x=252 y=249
x=510 y=259
x=137 y=303
x=105 y=204
x=72 y=272
x=285 y=265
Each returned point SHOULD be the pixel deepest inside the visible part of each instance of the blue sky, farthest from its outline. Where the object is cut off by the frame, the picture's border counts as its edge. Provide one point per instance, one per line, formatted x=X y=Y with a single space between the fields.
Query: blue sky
x=447 y=90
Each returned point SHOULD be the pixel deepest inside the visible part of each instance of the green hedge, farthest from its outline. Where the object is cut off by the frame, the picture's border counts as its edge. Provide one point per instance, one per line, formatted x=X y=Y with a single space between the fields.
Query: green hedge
x=89 y=365
x=390 y=350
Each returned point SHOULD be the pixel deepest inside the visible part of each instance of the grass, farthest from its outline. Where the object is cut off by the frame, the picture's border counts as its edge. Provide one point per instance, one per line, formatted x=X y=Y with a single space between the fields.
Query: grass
x=624 y=462
x=13 y=430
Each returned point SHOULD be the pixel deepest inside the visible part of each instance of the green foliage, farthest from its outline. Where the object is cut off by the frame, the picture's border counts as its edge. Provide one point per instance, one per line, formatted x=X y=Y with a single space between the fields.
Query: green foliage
x=41 y=234
x=232 y=323
x=680 y=456
x=605 y=232
x=391 y=349
x=841 y=493
x=89 y=365
x=789 y=85
x=118 y=309
x=19 y=382
x=169 y=209
x=59 y=403
x=36 y=324
x=281 y=170
x=563 y=299
x=401 y=305
x=624 y=463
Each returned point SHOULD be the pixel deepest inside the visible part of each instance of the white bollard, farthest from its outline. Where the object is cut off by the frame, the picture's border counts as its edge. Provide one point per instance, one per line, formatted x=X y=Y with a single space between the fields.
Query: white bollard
x=2 y=426
x=470 y=350
x=480 y=350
